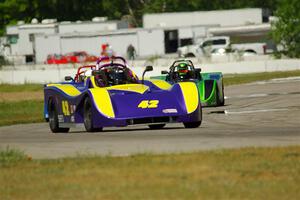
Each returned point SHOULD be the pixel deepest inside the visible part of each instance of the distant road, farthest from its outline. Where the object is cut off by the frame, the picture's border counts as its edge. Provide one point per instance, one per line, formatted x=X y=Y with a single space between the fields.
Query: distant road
x=261 y=114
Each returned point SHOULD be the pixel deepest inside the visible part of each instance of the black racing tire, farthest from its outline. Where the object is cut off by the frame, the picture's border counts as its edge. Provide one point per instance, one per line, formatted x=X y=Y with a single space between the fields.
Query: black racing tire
x=220 y=102
x=88 y=117
x=192 y=124
x=156 y=126
x=53 y=119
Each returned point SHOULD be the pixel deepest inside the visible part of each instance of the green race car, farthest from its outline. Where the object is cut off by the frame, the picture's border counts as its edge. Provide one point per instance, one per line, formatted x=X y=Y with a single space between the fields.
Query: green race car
x=210 y=84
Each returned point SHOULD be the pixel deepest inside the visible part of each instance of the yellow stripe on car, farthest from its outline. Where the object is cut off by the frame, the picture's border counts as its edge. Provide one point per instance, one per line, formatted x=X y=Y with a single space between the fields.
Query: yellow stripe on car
x=164 y=85
x=102 y=101
x=93 y=80
x=138 y=88
x=67 y=89
x=190 y=95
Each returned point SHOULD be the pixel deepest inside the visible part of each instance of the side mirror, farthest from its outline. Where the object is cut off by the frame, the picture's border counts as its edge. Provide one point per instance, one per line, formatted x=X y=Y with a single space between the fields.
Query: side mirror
x=164 y=72
x=148 y=69
x=198 y=70
x=198 y=74
x=69 y=78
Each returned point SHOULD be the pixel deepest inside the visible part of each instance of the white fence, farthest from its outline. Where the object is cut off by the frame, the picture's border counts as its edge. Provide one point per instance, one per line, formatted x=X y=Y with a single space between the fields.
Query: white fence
x=56 y=73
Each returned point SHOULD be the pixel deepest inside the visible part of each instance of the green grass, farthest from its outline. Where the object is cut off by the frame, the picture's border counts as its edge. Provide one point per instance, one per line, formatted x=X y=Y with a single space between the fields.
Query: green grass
x=10 y=157
x=21 y=112
x=234 y=79
x=21 y=87
x=249 y=173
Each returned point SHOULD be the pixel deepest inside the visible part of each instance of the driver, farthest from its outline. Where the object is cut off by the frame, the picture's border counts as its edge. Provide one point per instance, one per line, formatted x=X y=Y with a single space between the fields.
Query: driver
x=184 y=71
x=115 y=76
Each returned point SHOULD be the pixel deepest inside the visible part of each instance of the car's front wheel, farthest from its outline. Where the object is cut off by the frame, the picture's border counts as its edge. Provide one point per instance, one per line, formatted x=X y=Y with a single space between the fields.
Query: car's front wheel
x=88 y=117
x=53 y=119
x=156 y=126
x=192 y=124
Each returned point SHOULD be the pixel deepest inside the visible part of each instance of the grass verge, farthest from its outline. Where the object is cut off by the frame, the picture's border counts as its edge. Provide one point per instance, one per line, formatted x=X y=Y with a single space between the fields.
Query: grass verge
x=248 y=173
x=21 y=112
x=234 y=79
x=21 y=87
x=10 y=157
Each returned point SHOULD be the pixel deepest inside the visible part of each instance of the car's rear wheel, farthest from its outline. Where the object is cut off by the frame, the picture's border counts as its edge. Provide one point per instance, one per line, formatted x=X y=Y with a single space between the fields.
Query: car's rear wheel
x=156 y=126
x=53 y=119
x=192 y=124
x=88 y=117
x=220 y=101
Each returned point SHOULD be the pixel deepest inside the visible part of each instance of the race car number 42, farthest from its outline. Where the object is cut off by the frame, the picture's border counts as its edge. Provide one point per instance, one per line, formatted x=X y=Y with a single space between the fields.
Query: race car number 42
x=148 y=104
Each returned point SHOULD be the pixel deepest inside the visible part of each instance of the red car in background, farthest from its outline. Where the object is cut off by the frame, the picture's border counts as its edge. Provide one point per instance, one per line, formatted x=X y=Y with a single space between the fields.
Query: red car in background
x=80 y=57
x=73 y=57
x=56 y=59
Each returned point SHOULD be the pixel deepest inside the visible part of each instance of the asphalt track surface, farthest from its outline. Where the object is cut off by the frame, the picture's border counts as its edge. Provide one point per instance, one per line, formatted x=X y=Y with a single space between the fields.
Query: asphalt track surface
x=258 y=114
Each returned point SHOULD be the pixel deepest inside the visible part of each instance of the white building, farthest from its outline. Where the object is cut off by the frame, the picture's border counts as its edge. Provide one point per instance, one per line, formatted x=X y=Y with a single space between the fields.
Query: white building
x=119 y=40
x=236 y=17
x=21 y=38
x=163 y=33
x=147 y=42
x=242 y=25
x=97 y=24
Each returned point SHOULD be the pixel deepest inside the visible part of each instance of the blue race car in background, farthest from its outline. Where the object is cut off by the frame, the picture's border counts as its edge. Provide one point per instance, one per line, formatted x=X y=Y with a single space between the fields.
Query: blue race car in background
x=109 y=94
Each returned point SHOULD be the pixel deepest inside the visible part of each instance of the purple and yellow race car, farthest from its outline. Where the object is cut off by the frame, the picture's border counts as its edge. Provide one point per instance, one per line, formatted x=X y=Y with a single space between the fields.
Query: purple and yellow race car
x=109 y=94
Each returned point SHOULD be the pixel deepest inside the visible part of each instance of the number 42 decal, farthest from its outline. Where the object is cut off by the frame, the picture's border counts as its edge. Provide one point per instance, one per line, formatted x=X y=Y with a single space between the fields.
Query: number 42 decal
x=148 y=104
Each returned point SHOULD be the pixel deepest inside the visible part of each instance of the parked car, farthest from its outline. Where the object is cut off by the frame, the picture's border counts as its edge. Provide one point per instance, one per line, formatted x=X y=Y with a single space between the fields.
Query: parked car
x=222 y=42
x=80 y=57
x=73 y=57
x=109 y=94
x=56 y=59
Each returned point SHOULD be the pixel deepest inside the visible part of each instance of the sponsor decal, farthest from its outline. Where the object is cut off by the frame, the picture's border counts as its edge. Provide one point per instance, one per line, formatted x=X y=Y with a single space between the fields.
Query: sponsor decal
x=72 y=108
x=148 y=104
x=214 y=76
x=170 y=110
x=67 y=109
x=61 y=118
x=72 y=118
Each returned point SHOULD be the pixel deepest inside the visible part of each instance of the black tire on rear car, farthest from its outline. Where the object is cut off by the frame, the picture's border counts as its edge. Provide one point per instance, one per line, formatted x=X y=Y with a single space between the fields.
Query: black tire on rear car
x=156 y=126
x=88 y=117
x=220 y=102
x=53 y=118
x=192 y=124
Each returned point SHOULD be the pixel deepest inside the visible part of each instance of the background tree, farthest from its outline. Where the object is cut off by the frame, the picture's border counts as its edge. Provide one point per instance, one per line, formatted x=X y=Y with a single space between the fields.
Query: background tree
x=13 y=10
x=286 y=30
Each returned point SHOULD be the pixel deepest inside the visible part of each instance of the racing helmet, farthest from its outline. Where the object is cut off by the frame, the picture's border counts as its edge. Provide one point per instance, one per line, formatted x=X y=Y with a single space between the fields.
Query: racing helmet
x=182 y=68
x=116 y=76
x=183 y=71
